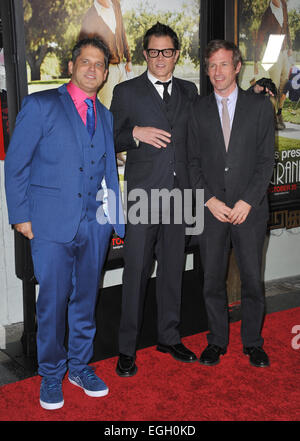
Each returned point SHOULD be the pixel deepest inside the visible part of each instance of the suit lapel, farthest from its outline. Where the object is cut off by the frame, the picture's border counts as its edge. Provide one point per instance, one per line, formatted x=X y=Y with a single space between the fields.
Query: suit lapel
x=240 y=115
x=72 y=115
x=151 y=94
x=156 y=99
x=214 y=123
x=177 y=90
x=103 y=131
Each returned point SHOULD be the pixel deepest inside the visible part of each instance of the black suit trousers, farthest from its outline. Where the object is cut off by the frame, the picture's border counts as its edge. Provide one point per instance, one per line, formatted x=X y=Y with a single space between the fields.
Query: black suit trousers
x=247 y=240
x=142 y=242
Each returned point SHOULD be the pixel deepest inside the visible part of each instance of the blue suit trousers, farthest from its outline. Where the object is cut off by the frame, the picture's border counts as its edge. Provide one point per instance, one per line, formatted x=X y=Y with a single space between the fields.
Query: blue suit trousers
x=68 y=276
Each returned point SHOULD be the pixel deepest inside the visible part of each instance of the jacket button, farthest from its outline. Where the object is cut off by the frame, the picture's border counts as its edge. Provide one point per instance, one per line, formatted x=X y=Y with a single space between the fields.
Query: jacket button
x=79 y=195
x=226 y=169
x=80 y=169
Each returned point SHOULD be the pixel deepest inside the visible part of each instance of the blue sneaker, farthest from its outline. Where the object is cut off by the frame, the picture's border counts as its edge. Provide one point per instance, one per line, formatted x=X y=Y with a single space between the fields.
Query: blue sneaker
x=51 y=396
x=89 y=382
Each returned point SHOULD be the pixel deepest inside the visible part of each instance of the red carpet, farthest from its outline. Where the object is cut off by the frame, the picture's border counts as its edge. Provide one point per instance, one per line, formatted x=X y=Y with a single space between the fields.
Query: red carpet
x=166 y=390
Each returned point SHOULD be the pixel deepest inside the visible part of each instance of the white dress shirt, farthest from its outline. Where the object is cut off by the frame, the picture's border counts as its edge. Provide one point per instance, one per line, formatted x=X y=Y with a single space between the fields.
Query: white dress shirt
x=277 y=12
x=160 y=87
x=107 y=14
x=231 y=103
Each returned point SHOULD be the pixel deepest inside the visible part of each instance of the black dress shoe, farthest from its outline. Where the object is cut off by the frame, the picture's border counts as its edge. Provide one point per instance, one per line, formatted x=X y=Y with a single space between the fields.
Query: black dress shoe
x=257 y=356
x=179 y=352
x=126 y=366
x=211 y=355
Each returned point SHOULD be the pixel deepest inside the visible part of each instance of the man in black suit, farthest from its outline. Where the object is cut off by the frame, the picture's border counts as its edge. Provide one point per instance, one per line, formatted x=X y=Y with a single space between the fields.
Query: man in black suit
x=150 y=120
x=231 y=156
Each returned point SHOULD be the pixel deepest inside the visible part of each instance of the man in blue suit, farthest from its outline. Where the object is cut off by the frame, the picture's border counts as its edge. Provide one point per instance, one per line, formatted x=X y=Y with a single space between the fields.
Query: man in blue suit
x=63 y=194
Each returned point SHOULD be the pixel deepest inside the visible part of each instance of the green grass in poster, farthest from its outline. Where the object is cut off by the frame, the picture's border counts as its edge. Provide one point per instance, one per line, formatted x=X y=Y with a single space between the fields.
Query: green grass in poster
x=291 y=112
x=286 y=143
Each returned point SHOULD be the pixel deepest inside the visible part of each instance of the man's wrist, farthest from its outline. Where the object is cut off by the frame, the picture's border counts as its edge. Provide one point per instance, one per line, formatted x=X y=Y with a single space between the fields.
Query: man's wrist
x=210 y=199
x=137 y=141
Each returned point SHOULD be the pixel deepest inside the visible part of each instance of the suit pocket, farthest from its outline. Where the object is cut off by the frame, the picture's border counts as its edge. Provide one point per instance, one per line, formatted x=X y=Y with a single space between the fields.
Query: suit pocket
x=46 y=191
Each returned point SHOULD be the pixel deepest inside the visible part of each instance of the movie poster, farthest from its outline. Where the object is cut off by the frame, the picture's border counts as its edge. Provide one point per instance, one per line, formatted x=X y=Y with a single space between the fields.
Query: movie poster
x=52 y=28
x=269 y=38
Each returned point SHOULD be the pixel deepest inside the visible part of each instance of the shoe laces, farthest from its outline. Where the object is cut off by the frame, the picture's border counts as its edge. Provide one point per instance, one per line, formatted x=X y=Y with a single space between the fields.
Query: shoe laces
x=89 y=373
x=52 y=383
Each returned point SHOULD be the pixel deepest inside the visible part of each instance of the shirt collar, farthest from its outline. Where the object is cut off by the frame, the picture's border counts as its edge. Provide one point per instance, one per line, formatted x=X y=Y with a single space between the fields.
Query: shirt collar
x=275 y=8
x=230 y=98
x=153 y=79
x=277 y=12
x=77 y=94
x=99 y=7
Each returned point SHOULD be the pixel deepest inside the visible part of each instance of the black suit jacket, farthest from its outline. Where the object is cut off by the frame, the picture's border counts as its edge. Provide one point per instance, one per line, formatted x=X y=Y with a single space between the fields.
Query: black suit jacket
x=245 y=170
x=137 y=103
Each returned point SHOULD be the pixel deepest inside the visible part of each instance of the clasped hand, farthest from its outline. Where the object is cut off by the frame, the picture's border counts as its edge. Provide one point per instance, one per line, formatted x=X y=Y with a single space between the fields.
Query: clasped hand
x=236 y=215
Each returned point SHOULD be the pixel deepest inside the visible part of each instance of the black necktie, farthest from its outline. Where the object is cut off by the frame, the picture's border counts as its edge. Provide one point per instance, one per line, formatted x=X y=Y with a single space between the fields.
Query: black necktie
x=90 y=117
x=166 y=95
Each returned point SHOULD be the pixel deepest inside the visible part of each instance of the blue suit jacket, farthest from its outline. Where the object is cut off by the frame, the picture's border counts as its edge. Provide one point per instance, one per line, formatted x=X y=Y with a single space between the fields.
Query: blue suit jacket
x=45 y=166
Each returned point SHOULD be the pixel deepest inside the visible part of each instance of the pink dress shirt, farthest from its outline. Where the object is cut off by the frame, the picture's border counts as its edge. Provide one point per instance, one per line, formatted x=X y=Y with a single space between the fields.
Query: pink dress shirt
x=78 y=97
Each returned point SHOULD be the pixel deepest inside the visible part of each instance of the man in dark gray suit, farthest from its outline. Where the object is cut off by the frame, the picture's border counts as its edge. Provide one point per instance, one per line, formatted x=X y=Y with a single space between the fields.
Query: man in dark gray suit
x=231 y=156
x=150 y=123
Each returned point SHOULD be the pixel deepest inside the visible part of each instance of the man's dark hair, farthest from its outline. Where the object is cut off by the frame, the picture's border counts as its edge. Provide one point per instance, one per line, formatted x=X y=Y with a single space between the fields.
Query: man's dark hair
x=215 y=45
x=160 y=30
x=91 y=41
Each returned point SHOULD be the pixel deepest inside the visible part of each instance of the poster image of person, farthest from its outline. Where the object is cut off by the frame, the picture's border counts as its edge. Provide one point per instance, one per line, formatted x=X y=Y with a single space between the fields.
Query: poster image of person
x=292 y=87
x=275 y=22
x=104 y=19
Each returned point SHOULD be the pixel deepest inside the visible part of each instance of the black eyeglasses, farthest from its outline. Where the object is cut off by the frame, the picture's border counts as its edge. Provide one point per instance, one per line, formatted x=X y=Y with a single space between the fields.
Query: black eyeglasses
x=154 y=53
